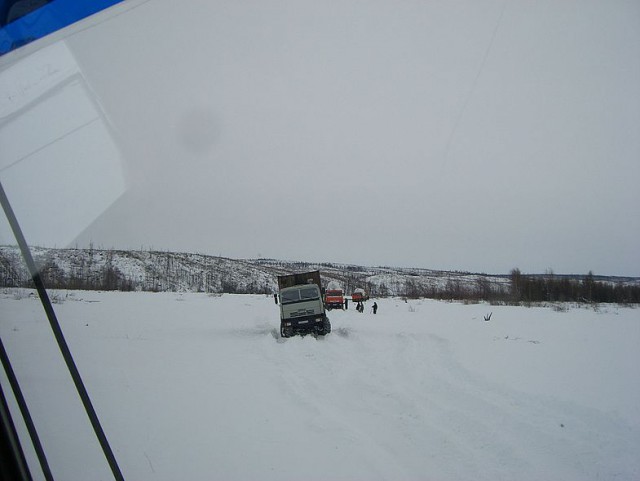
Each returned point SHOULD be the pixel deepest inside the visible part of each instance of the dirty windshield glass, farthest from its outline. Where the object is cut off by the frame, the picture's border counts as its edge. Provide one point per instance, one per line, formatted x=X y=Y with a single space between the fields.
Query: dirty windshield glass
x=289 y=297
x=308 y=293
x=187 y=176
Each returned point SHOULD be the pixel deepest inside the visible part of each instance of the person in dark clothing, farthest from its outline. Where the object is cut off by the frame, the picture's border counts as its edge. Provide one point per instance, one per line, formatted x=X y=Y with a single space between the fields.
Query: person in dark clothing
x=375 y=307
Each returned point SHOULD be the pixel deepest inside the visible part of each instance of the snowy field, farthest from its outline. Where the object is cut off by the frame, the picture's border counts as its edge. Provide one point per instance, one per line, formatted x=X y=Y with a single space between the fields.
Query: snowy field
x=197 y=387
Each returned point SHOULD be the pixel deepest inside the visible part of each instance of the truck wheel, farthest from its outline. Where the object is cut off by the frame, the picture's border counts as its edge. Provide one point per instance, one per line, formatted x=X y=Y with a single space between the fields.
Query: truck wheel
x=326 y=326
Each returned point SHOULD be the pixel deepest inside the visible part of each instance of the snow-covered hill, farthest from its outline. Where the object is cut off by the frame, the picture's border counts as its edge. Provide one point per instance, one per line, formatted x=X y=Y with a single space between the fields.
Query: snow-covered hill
x=171 y=271
x=188 y=272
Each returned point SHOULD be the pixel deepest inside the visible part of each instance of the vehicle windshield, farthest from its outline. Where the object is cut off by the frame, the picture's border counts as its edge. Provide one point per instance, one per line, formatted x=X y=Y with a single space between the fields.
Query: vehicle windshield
x=287 y=297
x=302 y=294
x=192 y=177
x=309 y=293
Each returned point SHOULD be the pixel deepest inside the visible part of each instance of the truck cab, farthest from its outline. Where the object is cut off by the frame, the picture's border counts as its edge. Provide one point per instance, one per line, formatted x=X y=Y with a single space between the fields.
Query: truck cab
x=359 y=295
x=334 y=299
x=301 y=305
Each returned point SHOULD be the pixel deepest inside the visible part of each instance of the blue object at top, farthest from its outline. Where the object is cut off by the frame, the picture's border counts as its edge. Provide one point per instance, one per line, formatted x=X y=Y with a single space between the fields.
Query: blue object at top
x=46 y=18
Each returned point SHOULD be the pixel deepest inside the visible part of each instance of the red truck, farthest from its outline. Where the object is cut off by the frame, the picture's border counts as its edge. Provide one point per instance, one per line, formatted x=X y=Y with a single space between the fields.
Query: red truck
x=334 y=299
x=359 y=295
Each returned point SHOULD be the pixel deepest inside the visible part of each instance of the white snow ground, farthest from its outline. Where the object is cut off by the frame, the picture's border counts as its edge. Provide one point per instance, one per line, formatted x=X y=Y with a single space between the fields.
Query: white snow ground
x=197 y=387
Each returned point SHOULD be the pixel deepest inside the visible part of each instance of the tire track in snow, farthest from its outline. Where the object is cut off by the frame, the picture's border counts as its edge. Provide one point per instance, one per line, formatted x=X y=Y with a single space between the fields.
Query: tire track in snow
x=313 y=380
x=413 y=410
x=494 y=425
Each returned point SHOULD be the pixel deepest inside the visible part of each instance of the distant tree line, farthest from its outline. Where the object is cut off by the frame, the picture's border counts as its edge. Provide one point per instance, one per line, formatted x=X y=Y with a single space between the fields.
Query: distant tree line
x=522 y=288
x=484 y=288
x=108 y=278
x=552 y=288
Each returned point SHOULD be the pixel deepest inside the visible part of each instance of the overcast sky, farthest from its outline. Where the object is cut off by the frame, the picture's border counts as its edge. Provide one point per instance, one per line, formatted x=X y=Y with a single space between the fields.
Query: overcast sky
x=476 y=135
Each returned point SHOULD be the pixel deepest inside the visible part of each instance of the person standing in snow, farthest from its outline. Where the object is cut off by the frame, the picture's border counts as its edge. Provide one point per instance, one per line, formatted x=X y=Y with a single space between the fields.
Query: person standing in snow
x=375 y=307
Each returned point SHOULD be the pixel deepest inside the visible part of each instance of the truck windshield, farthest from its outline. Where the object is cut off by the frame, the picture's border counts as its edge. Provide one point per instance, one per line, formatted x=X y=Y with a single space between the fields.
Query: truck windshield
x=308 y=293
x=288 y=297
x=295 y=295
